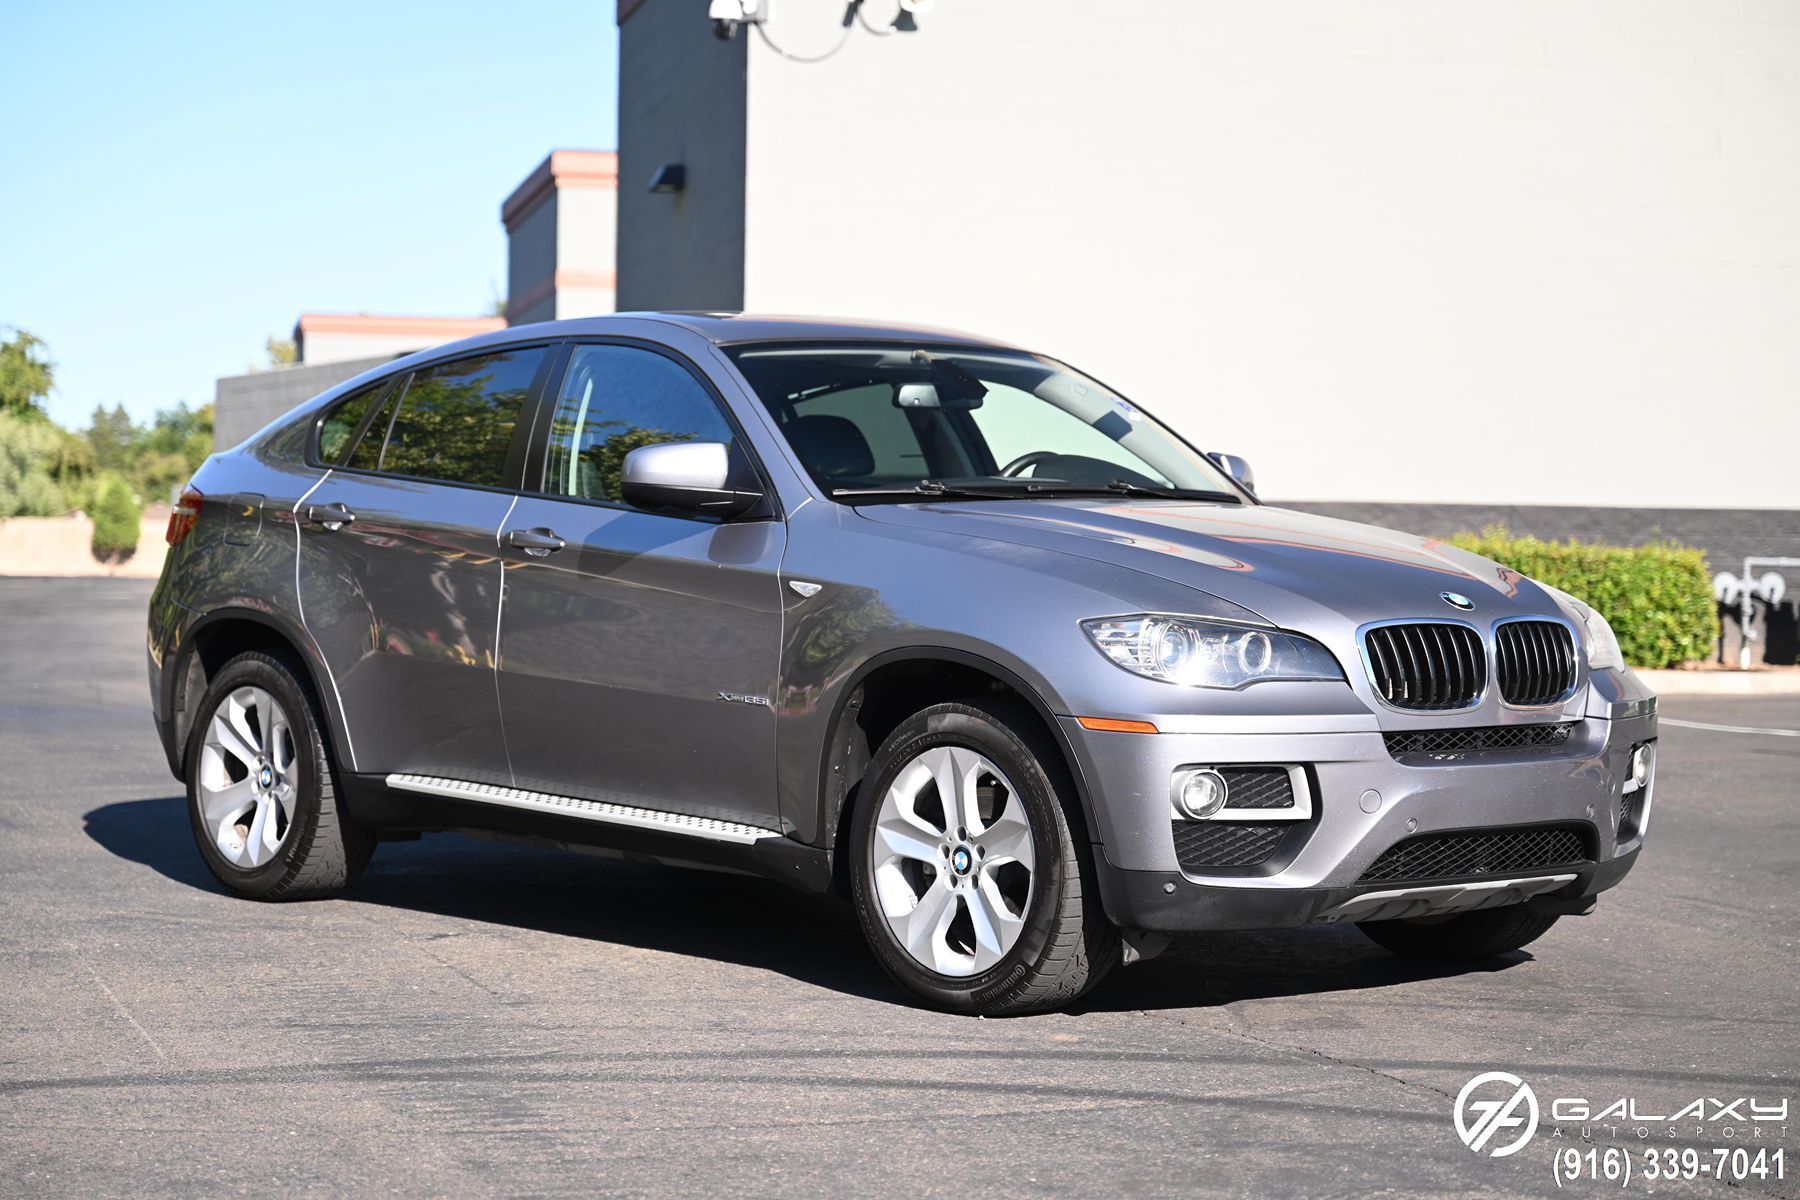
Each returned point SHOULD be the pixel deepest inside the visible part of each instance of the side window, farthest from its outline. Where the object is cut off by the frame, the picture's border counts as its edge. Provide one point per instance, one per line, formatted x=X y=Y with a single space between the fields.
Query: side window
x=456 y=420
x=613 y=400
x=366 y=454
x=342 y=422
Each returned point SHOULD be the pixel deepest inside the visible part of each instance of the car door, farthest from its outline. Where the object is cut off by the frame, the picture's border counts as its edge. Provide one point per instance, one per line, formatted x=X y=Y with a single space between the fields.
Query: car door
x=399 y=576
x=638 y=650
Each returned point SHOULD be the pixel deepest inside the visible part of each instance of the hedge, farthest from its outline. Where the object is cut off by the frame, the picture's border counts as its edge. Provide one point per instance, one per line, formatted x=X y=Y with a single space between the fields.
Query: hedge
x=116 y=515
x=1658 y=598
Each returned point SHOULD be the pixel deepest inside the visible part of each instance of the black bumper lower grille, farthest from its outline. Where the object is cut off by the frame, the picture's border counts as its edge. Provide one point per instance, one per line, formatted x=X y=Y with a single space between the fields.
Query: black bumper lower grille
x=1480 y=852
x=1258 y=787
x=1207 y=845
x=1476 y=741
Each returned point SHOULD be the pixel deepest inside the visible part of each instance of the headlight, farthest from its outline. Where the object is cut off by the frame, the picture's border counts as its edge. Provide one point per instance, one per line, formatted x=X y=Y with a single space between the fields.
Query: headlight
x=1597 y=637
x=1209 y=653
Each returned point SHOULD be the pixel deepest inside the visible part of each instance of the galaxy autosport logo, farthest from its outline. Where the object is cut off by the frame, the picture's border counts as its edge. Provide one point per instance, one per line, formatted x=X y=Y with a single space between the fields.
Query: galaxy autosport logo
x=1496 y=1114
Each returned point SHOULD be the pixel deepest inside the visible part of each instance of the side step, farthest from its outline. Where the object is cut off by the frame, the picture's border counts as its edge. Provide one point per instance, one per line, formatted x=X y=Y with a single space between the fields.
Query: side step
x=708 y=828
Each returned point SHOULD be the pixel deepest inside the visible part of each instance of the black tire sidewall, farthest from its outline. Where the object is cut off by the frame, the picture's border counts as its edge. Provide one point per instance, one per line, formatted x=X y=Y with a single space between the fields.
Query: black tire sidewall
x=257 y=670
x=971 y=729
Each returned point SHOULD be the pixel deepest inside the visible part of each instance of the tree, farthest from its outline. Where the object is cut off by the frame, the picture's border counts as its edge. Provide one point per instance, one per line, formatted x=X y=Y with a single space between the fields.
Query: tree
x=114 y=440
x=29 y=448
x=116 y=519
x=26 y=375
x=282 y=351
x=177 y=442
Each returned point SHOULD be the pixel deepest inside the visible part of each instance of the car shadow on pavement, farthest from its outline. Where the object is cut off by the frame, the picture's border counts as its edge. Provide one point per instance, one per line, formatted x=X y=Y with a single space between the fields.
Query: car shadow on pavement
x=754 y=922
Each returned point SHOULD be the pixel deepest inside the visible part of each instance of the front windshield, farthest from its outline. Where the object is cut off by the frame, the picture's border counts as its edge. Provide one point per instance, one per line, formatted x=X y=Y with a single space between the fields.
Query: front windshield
x=893 y=421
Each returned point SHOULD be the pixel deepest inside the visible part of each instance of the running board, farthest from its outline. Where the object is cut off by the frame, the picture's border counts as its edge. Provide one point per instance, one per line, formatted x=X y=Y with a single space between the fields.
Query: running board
x=1431 y=901
x=684 y=824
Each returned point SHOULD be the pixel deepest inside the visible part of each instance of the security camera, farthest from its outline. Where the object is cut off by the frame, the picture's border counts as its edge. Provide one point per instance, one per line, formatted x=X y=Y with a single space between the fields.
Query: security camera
x=727 y=15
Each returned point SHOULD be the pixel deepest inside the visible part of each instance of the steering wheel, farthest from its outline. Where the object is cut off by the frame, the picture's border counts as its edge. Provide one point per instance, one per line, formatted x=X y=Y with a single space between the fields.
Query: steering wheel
x=1017 y=466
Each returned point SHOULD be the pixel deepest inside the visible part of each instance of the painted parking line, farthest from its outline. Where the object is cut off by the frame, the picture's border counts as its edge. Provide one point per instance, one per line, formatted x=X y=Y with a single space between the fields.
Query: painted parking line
x=1729 y=728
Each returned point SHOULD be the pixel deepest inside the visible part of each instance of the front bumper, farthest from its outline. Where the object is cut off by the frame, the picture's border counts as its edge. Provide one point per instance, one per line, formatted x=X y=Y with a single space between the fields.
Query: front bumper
x=1364 y=801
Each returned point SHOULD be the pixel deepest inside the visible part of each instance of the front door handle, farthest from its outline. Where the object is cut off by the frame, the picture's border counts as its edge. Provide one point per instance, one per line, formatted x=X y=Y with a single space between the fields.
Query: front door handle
x=329 y=516
x=535 y=542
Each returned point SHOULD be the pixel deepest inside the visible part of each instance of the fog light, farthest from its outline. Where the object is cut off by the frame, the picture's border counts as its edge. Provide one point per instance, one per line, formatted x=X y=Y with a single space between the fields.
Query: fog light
x=1640 y=768
x=1202 y=794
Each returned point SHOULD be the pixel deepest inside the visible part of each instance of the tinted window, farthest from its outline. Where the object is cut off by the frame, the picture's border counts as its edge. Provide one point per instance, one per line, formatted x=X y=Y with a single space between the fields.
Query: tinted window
x=1001 y=423
x=893 y=442
x=613 y=400
x=366 y=454
x=342 y=422
x=456 y=420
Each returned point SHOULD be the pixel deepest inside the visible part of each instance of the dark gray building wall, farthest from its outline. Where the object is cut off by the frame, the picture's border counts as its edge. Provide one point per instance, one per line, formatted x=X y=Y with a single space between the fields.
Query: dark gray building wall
x=243 y=404
x=681 y=100
x=1727 y=535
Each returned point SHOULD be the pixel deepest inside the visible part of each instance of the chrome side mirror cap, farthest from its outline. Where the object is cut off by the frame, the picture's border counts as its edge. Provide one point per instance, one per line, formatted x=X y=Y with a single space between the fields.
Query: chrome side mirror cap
x=1237 y=468
x=693 y=477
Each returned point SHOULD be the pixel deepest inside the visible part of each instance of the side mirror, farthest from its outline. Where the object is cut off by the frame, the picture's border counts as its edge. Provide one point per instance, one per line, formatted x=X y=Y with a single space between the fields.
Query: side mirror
x=1238 y=469
x=686 y=476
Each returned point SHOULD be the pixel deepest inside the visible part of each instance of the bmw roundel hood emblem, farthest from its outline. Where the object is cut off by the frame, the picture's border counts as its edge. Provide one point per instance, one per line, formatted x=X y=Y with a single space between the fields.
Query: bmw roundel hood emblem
x=1456 y=600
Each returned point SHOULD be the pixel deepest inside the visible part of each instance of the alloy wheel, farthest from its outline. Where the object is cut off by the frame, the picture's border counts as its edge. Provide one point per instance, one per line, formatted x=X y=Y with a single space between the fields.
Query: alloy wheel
x=246 y=777
x=953 y=861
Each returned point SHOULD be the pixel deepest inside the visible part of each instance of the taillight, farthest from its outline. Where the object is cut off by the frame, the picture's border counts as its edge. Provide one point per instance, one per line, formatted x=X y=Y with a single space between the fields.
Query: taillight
x=183 y=515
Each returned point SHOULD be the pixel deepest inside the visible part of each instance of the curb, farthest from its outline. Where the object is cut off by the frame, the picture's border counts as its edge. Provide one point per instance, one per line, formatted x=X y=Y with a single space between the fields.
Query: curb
x=1722 y=683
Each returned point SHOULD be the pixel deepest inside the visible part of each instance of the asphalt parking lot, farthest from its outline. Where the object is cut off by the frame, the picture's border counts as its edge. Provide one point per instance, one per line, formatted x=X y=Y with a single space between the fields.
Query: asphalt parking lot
x=479 y=1018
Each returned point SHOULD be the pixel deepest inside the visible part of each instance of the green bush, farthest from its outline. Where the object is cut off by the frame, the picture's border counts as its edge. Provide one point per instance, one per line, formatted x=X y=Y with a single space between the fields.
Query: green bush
x=1658 y=598
x=29 y=450
x=116 y=513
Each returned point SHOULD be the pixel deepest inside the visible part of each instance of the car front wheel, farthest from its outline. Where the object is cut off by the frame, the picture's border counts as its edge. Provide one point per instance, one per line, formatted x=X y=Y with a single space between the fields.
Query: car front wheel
x=970 y=885
x=262 y=796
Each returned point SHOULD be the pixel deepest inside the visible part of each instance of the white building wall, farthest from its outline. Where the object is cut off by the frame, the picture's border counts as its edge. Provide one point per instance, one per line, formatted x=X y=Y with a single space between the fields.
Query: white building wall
x=587 y=222
x=1524 y=252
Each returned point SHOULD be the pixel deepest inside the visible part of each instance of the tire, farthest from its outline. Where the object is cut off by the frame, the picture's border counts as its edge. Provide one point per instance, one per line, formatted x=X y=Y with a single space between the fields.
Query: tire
x=1487 y=933
x=1061 y=943
x=314 y=849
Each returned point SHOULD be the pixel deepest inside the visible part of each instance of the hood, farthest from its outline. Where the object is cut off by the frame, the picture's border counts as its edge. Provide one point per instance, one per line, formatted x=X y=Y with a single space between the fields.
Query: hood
x=1294 y=569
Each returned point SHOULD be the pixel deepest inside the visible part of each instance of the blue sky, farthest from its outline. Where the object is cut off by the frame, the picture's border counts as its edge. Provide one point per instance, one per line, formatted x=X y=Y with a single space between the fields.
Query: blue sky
x=179 y=181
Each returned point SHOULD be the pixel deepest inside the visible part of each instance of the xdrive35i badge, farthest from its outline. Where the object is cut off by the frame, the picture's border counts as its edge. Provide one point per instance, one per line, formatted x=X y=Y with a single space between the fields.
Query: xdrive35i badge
x=735 y=698
x=1456 y=600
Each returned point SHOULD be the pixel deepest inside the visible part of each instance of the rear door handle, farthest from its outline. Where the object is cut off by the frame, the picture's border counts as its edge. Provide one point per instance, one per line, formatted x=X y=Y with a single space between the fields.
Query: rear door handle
x=535 y=542
x=329 y=516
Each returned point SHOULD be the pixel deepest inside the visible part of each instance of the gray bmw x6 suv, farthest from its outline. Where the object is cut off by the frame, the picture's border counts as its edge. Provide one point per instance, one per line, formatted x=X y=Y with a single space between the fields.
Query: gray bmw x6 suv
x=938 y=624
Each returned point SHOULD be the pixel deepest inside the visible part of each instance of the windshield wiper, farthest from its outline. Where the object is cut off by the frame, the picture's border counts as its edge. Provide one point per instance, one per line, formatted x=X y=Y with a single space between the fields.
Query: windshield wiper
x=1124 y=487
x=1026 y=489
x=933 y=487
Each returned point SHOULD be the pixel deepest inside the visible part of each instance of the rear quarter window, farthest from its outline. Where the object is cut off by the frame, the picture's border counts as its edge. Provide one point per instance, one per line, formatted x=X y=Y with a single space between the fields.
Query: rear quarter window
x=341 y=423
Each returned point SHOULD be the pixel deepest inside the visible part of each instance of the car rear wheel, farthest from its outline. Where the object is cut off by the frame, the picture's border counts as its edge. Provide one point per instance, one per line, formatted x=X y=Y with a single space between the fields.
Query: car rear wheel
x=971 y=887
x=1485 y=934
x=262 y=794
